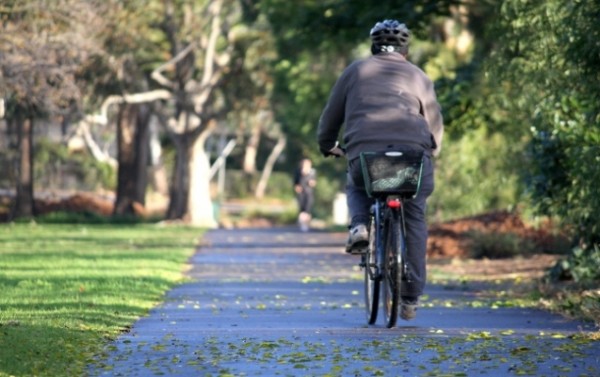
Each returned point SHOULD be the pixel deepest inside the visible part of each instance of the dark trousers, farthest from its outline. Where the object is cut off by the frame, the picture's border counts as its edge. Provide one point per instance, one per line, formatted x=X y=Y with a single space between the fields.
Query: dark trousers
x=359 y=205
x=305 y=201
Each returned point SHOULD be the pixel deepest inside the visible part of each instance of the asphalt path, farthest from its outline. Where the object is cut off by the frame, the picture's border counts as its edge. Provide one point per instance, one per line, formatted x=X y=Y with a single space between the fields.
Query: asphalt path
x=278 y=302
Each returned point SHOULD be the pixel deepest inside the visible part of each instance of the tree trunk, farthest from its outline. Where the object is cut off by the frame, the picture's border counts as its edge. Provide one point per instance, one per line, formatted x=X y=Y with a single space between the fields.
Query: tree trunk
x=133 y=145
x=252 y=149
x=179 y=189
x=142 y=147
x=190 y=198
x=261 y=187
x=249 y=167
x=200 y=207
x=24 y=202
x=158 y=174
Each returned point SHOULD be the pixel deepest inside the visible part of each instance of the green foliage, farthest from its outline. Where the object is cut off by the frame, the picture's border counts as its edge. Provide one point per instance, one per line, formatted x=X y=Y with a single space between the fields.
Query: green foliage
x=499 y=245
x=581 y=266
x=581 y=299
x=285 y=217
x=476 y=173
x=563 y=181
x=325 y=193
x=54 y=164
x=546 y=64
x=240 y=185
x=528 y=81
x=67 y=290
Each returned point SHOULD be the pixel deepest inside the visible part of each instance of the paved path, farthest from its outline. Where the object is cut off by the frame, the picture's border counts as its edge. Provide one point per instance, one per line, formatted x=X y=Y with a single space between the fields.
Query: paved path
x=283 y=303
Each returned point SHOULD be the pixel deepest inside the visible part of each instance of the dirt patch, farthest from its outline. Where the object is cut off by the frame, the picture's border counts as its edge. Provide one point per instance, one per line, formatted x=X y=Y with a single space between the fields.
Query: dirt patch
x=78 y=203
x=82 y=202
x=451 y=239
x=529 y=267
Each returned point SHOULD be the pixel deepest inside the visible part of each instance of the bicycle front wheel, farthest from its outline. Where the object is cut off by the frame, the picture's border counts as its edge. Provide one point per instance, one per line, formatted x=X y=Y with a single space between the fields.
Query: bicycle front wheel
x=391 y=273
x=372 y=281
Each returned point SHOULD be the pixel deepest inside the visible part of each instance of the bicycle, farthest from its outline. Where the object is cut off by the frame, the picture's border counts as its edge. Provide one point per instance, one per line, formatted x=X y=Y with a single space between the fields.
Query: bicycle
x=390 y=178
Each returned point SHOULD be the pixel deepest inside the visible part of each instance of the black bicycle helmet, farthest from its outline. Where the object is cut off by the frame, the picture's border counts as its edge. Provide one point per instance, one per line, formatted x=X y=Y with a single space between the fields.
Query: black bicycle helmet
x=390 y=33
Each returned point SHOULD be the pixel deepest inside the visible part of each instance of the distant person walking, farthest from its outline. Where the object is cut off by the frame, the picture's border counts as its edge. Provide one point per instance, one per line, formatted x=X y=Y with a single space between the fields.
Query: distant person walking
x=305 y=179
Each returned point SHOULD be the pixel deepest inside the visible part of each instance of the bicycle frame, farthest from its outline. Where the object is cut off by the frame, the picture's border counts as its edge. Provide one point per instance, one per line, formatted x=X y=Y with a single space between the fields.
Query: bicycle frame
x=388 y=225
x=390 y=178
x=378 y=210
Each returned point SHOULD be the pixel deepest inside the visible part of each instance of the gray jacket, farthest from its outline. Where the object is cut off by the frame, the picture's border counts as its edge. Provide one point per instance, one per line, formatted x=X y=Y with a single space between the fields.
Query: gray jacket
x=385 y=102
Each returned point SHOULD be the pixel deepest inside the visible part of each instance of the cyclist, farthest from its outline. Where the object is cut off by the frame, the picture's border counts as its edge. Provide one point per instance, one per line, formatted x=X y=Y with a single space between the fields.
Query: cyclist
x=385 y=103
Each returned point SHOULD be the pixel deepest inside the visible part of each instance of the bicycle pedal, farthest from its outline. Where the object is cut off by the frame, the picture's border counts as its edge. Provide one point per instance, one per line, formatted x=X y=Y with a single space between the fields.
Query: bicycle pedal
x=357 y=249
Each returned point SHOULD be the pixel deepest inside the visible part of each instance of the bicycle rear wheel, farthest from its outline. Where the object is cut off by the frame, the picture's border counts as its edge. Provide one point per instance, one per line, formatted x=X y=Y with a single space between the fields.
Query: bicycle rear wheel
x=391 y=273
x=372 y=282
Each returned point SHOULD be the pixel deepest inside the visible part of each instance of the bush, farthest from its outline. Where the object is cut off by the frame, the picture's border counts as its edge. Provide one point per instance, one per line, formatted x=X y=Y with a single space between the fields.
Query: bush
x=56 y=168
x=499 y=245
x=286 y=217
x=582 y=266
x=241 y=186
x=479 y=164
x=563 y=180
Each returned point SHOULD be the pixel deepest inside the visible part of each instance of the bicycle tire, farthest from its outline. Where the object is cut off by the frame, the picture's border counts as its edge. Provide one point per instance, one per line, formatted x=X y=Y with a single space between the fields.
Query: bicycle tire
x=372 y=283
x=391 y=274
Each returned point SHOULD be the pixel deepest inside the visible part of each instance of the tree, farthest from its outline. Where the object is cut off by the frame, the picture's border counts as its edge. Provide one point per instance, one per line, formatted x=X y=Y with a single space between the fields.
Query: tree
x=549 y=65
x=42 y=47
x=195 y=35
x=120 y=70
x=133 y=136
x=200 y=45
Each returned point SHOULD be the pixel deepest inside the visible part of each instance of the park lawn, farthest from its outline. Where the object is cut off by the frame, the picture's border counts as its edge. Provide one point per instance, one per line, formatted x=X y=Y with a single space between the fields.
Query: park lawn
x=68 y=290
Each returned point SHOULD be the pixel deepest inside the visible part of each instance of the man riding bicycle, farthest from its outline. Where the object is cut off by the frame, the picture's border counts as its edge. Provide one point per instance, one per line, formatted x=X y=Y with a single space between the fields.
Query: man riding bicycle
x=385 y=103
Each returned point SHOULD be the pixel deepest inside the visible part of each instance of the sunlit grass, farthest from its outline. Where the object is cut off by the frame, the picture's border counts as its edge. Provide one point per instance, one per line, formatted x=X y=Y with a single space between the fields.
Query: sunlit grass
x=66 y=290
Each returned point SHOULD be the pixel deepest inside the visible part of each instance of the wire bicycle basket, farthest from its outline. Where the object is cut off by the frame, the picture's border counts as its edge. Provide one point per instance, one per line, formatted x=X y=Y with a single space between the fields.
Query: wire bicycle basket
x=392 y=172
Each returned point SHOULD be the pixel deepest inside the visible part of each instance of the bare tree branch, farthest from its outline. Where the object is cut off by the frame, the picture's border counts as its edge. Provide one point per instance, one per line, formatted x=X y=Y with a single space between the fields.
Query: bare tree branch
x=144 y=97
x=261 y=187
x=212 y=42
x=213 y=62
x=157 y=73
x=83 y=130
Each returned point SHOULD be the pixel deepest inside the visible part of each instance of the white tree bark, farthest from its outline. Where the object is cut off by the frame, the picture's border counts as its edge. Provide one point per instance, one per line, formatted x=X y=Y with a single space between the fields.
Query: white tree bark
x=199 y=203
x=102 y=118
x=157 y=171
x=200 y=206
x=252 y=148
x=261 y=187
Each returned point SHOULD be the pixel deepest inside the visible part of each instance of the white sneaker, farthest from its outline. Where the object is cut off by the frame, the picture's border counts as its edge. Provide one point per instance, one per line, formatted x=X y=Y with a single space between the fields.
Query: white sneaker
x=358 y=239
x=304 y=221
x=304 y=227
x=408 y=309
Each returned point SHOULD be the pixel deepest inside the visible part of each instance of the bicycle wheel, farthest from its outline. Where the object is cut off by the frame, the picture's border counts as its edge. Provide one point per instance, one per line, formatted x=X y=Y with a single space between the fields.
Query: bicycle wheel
x=372 y=282
x=391 y=274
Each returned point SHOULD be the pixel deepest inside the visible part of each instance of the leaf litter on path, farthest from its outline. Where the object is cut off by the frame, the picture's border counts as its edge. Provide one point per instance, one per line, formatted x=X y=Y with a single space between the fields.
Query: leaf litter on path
x=244 y=317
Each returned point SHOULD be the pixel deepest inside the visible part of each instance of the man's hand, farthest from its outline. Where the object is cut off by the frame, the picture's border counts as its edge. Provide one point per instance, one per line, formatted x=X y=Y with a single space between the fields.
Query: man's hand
x=336 y=151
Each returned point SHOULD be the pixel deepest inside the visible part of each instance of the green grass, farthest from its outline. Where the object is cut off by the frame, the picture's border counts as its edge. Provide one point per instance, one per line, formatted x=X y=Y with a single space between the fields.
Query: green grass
x=67 y=290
